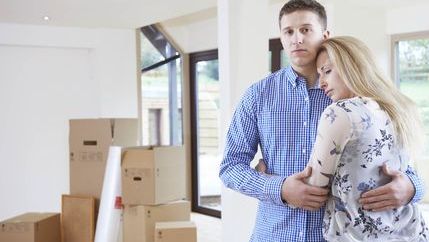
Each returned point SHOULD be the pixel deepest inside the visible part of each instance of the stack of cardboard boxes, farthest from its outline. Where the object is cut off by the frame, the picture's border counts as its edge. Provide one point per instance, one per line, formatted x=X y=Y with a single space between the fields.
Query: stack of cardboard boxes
x=89 y=142
x=153 y=186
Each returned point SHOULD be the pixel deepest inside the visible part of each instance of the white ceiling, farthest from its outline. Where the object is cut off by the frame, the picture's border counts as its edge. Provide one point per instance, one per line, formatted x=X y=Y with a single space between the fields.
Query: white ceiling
x=98 y=13
x=126 y=13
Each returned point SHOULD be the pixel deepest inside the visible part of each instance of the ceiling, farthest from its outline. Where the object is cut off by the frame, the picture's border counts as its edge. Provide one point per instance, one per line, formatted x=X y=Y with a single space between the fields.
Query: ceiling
x=98 y=13
x=127 y=13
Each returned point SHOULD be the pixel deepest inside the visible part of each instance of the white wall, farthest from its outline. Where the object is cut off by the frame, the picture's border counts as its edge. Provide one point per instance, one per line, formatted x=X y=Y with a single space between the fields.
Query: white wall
x=49 y=75
x=196 y=32
x=243 y=60
x=368 y=23
x=413 y=18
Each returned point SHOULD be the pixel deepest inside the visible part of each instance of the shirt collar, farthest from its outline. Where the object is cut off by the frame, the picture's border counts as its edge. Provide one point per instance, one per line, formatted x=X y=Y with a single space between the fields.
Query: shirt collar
x=294 y=78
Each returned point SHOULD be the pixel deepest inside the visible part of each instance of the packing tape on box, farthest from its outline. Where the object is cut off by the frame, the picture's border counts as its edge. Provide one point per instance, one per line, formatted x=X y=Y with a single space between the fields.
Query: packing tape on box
x=109 y=215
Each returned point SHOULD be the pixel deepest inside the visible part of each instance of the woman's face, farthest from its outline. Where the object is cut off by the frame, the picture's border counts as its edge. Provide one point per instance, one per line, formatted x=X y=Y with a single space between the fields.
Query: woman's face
x=329 y=80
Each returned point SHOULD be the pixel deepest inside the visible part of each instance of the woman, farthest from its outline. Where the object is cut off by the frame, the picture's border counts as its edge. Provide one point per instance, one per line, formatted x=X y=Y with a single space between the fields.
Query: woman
x=369 y=124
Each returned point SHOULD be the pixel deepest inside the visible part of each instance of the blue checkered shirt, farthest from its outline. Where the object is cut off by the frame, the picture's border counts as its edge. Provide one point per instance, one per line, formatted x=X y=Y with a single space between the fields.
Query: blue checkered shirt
x=280 y=115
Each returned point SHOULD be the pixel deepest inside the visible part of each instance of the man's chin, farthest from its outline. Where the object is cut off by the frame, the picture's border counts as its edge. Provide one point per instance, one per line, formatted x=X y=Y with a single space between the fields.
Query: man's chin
x=303 y=63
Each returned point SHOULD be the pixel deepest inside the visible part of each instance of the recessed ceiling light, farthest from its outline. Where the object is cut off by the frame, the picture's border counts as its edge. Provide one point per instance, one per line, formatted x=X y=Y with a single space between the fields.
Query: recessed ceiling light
x=46 y=18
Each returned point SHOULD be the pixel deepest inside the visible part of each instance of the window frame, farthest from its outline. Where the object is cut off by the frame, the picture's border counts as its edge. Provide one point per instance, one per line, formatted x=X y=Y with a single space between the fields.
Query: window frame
x=170 y=62
x=275 y=47
x=394 y=39
x=194 y=58
x=394 y=63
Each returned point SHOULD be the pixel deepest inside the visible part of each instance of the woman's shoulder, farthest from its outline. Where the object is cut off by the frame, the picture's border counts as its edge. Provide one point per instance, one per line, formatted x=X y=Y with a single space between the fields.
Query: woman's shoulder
x=344 y=111
x=351 y=107
x=350 y=104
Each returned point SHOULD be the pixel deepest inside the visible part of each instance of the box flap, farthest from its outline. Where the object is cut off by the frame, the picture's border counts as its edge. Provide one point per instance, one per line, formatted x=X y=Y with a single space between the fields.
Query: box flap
x=138 y=157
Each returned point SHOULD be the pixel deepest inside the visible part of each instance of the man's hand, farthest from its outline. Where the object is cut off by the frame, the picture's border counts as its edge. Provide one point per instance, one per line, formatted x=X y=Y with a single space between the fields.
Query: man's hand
x=261 y=167
x=296 y=192
x=299 y=194
x=394 y=194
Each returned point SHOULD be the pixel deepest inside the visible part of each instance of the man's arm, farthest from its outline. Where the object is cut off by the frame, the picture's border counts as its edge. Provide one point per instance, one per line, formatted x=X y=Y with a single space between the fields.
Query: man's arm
x=403 y=188
x=296 y=193
x=241 y=146
x=418 y=185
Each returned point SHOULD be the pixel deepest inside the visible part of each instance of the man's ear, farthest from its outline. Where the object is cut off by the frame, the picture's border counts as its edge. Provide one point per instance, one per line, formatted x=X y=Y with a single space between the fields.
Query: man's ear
x=326 y=34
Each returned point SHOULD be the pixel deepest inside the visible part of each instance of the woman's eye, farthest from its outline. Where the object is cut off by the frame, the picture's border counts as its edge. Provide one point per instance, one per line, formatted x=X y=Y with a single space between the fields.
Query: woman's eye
x=327 y=72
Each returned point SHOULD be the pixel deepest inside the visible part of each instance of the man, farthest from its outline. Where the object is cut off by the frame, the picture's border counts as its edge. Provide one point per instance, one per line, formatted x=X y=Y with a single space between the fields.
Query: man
x=280 y=114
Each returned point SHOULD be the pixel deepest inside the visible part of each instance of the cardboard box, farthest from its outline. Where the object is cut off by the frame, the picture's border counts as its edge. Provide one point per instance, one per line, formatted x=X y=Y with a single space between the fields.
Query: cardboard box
x=77 y=218
x=31 y=227
x=153 y=175
x=140 y=220
x=89 y=142
x=182 y=231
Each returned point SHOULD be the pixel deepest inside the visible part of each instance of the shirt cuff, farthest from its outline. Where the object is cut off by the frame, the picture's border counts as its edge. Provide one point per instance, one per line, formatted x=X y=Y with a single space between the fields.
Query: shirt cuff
x=418 y=186
x=273 y=189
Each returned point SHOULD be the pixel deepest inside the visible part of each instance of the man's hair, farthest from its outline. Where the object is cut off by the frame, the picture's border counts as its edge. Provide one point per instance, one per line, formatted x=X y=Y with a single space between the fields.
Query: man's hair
x=306 y=5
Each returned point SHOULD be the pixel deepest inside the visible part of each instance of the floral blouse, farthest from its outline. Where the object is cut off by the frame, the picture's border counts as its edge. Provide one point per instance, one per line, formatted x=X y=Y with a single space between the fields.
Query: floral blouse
x=355 y=137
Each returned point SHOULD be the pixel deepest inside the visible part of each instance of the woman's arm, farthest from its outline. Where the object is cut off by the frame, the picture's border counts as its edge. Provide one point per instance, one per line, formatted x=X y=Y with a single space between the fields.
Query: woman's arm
x=333 y=133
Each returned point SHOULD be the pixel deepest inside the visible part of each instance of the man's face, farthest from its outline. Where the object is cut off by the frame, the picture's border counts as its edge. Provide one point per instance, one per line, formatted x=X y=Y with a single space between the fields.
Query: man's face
x=301 y=34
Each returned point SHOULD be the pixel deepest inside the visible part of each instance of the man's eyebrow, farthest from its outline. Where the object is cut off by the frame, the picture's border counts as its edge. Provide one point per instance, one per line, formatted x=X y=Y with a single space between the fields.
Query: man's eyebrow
x=303 y=25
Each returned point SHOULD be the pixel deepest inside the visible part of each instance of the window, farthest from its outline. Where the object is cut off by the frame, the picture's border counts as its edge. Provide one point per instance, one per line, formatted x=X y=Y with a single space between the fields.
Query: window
x=154 y=126
x=206 y=156
x=277 y=56
x=411 y=73
x=161 y=89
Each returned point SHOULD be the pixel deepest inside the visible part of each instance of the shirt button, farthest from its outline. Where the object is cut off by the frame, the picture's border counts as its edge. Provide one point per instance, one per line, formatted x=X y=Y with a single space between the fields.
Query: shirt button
x=301 y=234
x=303 y=151
x=306 y=99
x=305 y=124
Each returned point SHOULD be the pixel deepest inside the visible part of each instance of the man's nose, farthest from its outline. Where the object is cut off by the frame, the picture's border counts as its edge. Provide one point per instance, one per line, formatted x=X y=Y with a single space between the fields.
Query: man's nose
x=297 y=38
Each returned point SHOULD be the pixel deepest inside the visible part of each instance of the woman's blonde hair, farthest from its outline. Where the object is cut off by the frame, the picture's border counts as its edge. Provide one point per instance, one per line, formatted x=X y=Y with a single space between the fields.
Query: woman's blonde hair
x=357 y=68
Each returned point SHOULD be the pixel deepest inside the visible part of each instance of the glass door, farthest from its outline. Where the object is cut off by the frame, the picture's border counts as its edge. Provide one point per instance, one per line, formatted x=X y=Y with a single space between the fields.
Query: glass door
x=205 y=133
